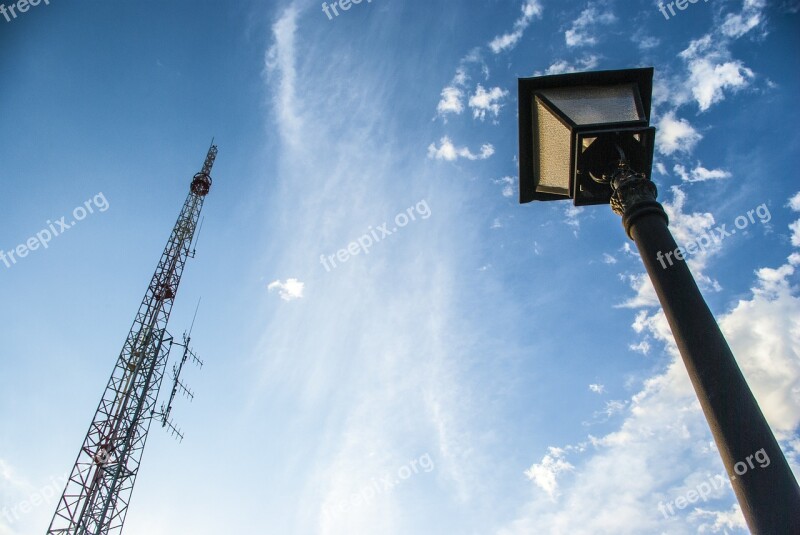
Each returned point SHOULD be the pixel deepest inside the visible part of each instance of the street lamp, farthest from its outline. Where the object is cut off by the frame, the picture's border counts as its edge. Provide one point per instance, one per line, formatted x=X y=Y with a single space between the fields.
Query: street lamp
x=587 y=137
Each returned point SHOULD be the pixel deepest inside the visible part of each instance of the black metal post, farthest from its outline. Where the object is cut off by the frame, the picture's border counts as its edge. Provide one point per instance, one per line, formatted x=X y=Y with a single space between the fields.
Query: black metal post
x=768 y=495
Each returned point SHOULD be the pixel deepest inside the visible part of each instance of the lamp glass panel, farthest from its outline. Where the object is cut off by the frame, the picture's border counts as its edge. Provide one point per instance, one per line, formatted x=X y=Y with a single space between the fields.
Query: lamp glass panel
x=596 y=104
x=553 y=151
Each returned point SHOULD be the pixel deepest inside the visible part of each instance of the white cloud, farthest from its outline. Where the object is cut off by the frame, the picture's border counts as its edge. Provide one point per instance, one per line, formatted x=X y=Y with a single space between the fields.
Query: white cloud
x=449 y=152
x=711 y=70
x=700 y=173
x=613 y=407
x=451 y=101
x=579 y=34
x=795 y=227
x=681 y=172
x=509 y=184
x=572 y=212
x=711 y=73
x=644 y=41
x=764 y=333
x=545 y=473
x=562 y=66
x=721 y=521
x=738 y=24
x=794 y=202
x=597 y=388
x=280 y=61
x=642 y=347
x=486 y=101
x=461 y=76
x=530 y=9
x=709 y=80
x=609 y=259
x=628 y=250
x=289 y=291
x=675 y=135
x=645 y=293
x=452 y=96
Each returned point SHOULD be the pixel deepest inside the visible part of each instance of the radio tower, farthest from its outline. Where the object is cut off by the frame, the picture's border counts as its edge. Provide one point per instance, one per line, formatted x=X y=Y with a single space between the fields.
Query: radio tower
x=98 y=492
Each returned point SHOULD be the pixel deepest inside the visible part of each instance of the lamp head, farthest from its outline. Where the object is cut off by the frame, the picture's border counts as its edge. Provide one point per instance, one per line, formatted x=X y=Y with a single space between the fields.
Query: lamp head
x=575 y=128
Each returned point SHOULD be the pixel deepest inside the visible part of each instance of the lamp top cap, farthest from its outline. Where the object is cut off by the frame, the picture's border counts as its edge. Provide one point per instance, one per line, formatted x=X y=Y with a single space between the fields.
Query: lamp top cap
x=642 y=77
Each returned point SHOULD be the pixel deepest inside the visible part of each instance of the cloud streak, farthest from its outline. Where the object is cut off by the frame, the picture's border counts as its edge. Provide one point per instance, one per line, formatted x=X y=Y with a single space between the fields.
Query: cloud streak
x=448 y=152
x=531 y=9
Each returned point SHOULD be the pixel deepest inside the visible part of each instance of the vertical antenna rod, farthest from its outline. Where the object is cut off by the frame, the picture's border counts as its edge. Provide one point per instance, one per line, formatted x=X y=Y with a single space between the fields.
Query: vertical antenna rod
x=98 y=491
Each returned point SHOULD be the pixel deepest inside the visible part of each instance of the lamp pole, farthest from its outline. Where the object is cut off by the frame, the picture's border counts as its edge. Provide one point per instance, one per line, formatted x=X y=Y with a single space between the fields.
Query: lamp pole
x=580 y=136
x=769 y=496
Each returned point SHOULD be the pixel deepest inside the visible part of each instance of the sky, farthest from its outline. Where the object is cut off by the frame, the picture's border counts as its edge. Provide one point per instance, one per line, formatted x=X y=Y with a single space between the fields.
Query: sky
x=392 y=343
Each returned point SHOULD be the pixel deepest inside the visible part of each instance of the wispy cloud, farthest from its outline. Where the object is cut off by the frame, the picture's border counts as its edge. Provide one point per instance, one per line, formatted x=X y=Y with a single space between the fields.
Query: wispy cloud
x=700 y=173
x=509 y=185
x=597 y=388
x=571 y=214
x=280 y=61
x=580 y=33
x=449 y=152
x=561 y=66
x=751 y=16
x=407 y=284
x=531 y=9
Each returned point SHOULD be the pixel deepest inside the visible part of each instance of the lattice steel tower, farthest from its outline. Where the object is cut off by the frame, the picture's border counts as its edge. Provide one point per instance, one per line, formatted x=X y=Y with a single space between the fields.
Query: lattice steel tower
x=98 y=492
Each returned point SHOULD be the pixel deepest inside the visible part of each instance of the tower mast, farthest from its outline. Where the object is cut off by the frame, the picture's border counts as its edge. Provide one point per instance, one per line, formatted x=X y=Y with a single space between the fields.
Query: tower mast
x=98 y=491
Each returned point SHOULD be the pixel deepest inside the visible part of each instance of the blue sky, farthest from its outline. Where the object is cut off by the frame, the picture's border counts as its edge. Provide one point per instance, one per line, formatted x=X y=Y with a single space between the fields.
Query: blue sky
x=484 y=368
